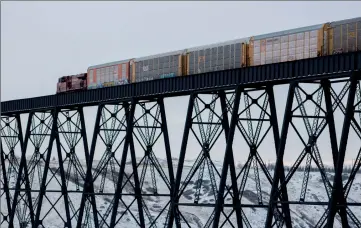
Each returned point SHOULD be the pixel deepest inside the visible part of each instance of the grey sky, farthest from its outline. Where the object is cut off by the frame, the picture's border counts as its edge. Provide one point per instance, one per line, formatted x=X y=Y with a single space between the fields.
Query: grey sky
x=42 y=41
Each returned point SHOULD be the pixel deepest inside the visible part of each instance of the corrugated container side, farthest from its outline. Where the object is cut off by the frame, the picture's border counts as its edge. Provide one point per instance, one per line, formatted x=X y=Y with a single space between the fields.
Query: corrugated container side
x=108 y=74
x=184 y=64
x=215 y=57
x=132 y=69
x=250 y=52
x=244 y=55
x=345 y=36
x=288 y=45
x=358 y=34
x=157 y=66
x=180 y=68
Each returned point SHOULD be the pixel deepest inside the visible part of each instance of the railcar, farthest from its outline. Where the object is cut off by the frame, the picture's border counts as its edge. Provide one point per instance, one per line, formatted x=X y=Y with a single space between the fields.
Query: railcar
x=72 y=83
x=288 y=45
x=109 y=74
x=166 y=65
x=344 y=36
x=214 y=57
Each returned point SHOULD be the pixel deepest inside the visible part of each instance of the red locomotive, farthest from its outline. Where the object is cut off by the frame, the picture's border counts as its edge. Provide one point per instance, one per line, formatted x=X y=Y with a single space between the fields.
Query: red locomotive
x=72 y=83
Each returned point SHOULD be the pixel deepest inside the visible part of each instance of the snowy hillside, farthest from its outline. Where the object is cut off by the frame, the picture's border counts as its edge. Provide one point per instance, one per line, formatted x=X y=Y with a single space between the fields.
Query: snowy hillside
x=156 y=207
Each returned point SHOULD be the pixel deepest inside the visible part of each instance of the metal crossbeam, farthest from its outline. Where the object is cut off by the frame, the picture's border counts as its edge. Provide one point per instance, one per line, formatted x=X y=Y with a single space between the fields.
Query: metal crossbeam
x=50 y=172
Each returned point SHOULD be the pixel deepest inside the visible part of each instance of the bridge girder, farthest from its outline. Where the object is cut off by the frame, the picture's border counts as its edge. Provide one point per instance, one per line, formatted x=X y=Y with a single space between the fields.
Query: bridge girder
x=43 y=178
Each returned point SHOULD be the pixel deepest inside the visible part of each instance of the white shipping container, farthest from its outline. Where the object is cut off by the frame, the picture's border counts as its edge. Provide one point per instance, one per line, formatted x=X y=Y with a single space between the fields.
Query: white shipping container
x=299 y=56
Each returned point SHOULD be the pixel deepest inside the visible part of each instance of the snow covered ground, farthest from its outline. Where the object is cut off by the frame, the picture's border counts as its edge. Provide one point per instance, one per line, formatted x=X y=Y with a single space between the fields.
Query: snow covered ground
x=157 y=206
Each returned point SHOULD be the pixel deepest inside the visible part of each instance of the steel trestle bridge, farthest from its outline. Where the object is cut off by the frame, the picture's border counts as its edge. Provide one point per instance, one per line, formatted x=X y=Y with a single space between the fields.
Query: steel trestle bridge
x=45 y=184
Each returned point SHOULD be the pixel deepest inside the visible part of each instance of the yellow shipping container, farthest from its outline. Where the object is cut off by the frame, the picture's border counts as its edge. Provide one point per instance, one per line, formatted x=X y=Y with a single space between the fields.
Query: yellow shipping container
x=288 y=45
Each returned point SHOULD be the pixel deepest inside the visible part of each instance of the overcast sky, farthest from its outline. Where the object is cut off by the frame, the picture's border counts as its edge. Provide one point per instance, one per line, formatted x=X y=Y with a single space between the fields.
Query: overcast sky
x=42 y=41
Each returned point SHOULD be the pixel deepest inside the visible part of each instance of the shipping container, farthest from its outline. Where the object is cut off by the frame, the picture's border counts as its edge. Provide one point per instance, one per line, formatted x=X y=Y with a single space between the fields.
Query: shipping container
x=288 y=45
x=109 y=74
x=344 y=36
x=219 y=56
x=152 y=67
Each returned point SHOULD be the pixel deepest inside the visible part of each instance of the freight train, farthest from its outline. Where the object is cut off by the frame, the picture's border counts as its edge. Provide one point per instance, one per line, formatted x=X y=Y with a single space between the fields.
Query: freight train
x=294 y=44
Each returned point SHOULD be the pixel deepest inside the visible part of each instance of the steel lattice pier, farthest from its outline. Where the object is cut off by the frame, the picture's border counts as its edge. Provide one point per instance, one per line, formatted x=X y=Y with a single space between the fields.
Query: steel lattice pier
x=50 y=177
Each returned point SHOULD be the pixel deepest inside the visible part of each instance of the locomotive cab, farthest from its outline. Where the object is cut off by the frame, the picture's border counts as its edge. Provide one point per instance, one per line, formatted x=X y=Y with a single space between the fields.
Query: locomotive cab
x=72 y=83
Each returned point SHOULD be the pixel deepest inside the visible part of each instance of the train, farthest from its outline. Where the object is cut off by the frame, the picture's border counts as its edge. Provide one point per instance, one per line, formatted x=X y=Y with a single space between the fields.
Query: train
x=288 y=45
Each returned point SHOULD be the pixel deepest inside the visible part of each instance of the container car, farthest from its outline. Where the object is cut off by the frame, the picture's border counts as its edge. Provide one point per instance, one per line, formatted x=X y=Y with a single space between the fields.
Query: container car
x=219 y=56
x=159 y=66
x=109 y=74
x=72 y=83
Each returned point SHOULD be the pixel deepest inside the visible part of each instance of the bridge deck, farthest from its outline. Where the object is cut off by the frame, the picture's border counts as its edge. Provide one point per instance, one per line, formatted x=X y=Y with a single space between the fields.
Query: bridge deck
x=278 y=73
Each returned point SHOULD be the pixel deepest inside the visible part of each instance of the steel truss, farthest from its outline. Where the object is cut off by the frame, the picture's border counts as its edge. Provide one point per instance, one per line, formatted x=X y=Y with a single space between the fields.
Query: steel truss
x=315 y=126
x=123 y=183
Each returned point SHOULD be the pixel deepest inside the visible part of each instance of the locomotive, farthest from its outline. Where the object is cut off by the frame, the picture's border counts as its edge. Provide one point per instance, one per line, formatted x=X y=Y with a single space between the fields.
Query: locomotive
x=294 y=44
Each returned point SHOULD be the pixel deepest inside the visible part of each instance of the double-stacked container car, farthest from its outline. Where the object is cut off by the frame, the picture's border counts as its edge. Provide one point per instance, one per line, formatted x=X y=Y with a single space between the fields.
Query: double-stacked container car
x=294 y=44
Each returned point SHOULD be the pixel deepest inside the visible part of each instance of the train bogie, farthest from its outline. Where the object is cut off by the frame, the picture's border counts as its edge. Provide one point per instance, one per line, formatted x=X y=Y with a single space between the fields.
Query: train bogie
x=220 y=56
x=72 y=83
x=109 y=74
x=153 y=67
x=344 y=36
x=288 y=45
